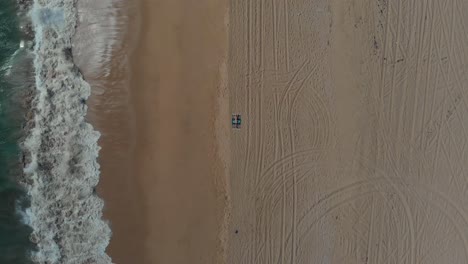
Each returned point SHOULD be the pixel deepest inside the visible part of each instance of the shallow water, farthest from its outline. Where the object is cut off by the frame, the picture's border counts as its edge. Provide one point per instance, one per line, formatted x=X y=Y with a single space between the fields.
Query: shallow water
x=14 y=75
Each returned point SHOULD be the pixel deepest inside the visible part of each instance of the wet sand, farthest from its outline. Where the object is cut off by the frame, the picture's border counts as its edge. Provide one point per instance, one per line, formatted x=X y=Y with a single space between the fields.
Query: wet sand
x=104 y=63
x=175 y=88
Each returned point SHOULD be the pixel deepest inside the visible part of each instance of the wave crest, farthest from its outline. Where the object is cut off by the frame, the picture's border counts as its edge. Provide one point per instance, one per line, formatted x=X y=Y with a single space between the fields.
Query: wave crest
x=61 y=170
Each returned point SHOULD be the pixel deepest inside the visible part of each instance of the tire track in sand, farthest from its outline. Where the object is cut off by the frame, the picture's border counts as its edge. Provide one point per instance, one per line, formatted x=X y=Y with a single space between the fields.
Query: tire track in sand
x=395 y=52
x=279 y=108
x=274 y=11
x=454 y=101
x=386 y=142
x=352 y=192
x=267 y=206
x=451 y=45
x=419 y=57
x=278 y=111
x=286 y=25
x=249 y=107
x=261 y=148
x=275 y=172
x=293 y=149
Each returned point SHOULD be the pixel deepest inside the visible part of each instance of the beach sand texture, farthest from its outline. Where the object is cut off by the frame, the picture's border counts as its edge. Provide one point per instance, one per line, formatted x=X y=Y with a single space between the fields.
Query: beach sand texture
x=103 y=45
x=156 y=103
x=175 y=87
x=353 y=148
x=353 y=143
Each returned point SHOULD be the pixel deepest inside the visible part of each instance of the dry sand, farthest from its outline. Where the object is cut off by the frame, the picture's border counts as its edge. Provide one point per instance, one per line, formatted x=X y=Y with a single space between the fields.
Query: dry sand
x=354 y=143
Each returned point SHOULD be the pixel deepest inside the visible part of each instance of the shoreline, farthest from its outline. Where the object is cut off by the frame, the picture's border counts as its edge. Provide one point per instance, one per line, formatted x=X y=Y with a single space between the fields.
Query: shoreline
x=110 y=112
x=61 y=150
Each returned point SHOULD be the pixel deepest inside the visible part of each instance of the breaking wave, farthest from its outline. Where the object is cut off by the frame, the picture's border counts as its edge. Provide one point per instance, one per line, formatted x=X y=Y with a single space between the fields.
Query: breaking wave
x=61 y=169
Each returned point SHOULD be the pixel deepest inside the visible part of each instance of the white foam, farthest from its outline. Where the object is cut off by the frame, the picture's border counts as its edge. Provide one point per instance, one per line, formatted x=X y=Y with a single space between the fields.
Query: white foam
x=65 y=214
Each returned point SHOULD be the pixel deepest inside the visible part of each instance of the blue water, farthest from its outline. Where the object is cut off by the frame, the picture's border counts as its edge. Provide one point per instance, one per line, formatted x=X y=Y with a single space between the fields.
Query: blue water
x=14 y=235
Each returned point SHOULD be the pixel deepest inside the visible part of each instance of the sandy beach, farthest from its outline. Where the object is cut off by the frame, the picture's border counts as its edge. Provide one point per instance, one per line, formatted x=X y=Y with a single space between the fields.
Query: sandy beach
x=157 y=105
x=104 y=63
x=354 y=143
x=169 y=207
x=352 y=147
x=175 y=86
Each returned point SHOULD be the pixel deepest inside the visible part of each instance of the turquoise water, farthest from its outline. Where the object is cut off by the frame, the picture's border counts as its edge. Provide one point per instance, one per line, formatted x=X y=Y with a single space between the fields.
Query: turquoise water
x=14 y=235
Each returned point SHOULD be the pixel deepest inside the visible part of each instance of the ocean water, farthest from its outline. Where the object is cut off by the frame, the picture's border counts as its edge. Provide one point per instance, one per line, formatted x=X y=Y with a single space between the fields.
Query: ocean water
x=14 y=233
x=49 y=210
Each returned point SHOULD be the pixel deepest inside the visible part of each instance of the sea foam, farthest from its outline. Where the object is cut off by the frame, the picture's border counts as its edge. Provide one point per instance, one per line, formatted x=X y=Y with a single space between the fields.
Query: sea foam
x=61 y=170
